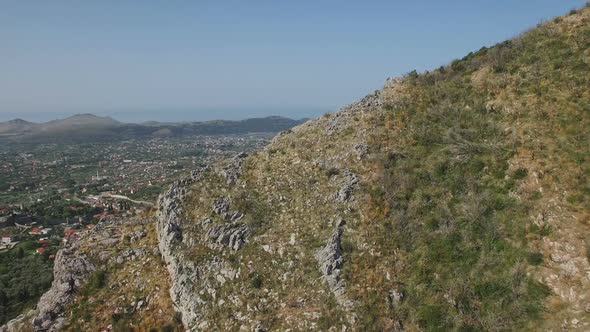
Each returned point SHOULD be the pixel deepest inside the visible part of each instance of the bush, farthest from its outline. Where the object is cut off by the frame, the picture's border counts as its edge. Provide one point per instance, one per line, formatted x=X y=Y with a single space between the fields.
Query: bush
x=332 y=171
x=535 y=258
x=167 y=328
x=521 y=173
x=256 y=281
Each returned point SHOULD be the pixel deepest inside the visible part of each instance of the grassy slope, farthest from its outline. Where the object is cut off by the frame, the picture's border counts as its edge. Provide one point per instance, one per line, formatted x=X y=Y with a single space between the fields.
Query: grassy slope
x=492 y=141
x=476 y=174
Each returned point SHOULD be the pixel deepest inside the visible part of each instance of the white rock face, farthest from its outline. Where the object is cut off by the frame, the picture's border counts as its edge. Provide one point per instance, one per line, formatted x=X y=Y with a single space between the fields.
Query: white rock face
x=350 y=182
x=69 y=273
x=169 y=231
x=330 y=262
x=188 y=280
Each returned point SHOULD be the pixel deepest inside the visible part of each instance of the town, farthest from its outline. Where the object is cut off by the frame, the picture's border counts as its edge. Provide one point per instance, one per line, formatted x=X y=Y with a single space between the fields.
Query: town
x=51 y=184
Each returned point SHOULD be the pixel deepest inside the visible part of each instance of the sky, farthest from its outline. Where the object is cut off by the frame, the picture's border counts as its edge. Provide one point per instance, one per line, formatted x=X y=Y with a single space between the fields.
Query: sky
x=173 y=60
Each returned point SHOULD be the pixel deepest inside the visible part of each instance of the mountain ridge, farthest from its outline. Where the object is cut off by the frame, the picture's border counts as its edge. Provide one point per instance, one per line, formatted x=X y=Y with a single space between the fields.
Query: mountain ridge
x=89 y=127
x=454 y=199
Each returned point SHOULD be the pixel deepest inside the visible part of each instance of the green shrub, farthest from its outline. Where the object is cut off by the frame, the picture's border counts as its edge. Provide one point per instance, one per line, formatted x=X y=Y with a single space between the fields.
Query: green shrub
x=535 y=258
x=521 y=173
x=95 y=282
x=256 y=281
x=167 y=328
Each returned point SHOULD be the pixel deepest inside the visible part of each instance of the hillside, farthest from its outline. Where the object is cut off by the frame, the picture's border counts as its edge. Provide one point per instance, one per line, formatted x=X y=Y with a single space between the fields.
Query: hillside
x=15 y=126
x=454 y=199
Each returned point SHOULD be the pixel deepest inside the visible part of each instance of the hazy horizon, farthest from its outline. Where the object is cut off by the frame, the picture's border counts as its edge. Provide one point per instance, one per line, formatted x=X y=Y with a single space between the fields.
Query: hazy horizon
x=200 y=61
x=176 y=116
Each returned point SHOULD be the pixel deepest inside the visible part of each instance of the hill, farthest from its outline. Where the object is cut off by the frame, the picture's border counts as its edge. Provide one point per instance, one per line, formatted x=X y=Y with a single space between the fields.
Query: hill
x=454 y=199
x=80 y=120
x=15 y=126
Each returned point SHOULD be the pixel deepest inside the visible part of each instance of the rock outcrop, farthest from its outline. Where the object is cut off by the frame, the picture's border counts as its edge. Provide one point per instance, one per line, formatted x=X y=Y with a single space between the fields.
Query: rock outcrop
x=330 y=261
x=189 y=281
x=70 y=271
x=233 y=171
x=232 y=235
x=169 y=231
x=350 y=182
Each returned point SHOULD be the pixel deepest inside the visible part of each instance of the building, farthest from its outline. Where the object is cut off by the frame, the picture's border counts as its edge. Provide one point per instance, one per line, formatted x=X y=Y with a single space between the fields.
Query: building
x=35 y=231
x=99 y=177
x=40 y=251
x=6 y=239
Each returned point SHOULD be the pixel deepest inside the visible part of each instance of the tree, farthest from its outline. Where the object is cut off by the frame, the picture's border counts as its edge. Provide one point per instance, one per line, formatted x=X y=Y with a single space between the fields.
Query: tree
x=20 y=253
x=3 y=297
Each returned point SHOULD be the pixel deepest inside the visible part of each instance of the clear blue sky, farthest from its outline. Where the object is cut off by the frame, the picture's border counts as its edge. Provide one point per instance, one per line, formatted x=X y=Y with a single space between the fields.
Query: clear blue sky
x=195 y=60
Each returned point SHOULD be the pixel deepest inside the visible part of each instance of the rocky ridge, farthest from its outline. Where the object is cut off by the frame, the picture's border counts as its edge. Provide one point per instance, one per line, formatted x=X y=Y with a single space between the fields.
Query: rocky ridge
x=428 y=174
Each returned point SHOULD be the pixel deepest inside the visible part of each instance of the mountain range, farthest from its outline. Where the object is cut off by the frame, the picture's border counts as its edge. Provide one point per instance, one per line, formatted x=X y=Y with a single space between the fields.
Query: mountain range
x=92 y=128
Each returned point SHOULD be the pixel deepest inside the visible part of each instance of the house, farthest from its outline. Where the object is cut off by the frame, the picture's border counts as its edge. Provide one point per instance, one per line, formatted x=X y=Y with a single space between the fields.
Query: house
x=51 y=256
x=45 y=231
x=43 y=243
x=40 y=251
x=35 y=231
x=6 y=239
x=69 y=232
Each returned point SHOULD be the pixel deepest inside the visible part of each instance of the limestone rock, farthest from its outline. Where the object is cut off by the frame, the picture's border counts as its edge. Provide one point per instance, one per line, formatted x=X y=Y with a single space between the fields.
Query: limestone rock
x=233 y=171
x=330 y=261
x=69 y=272
x=350 y=182
x=231 y=235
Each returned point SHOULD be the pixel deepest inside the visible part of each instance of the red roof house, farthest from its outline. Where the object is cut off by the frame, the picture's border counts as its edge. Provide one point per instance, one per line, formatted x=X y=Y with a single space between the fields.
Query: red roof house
x=69 y=232
x=35 y=231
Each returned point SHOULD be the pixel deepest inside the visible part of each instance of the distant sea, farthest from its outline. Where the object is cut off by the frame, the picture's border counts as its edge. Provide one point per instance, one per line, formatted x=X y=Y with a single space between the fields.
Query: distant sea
x=173 y=115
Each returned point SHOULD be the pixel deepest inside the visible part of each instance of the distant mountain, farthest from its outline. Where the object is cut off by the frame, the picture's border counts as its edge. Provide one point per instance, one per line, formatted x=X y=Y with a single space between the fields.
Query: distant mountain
x=15 y=126
x=92 y=128
x=84 y=120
